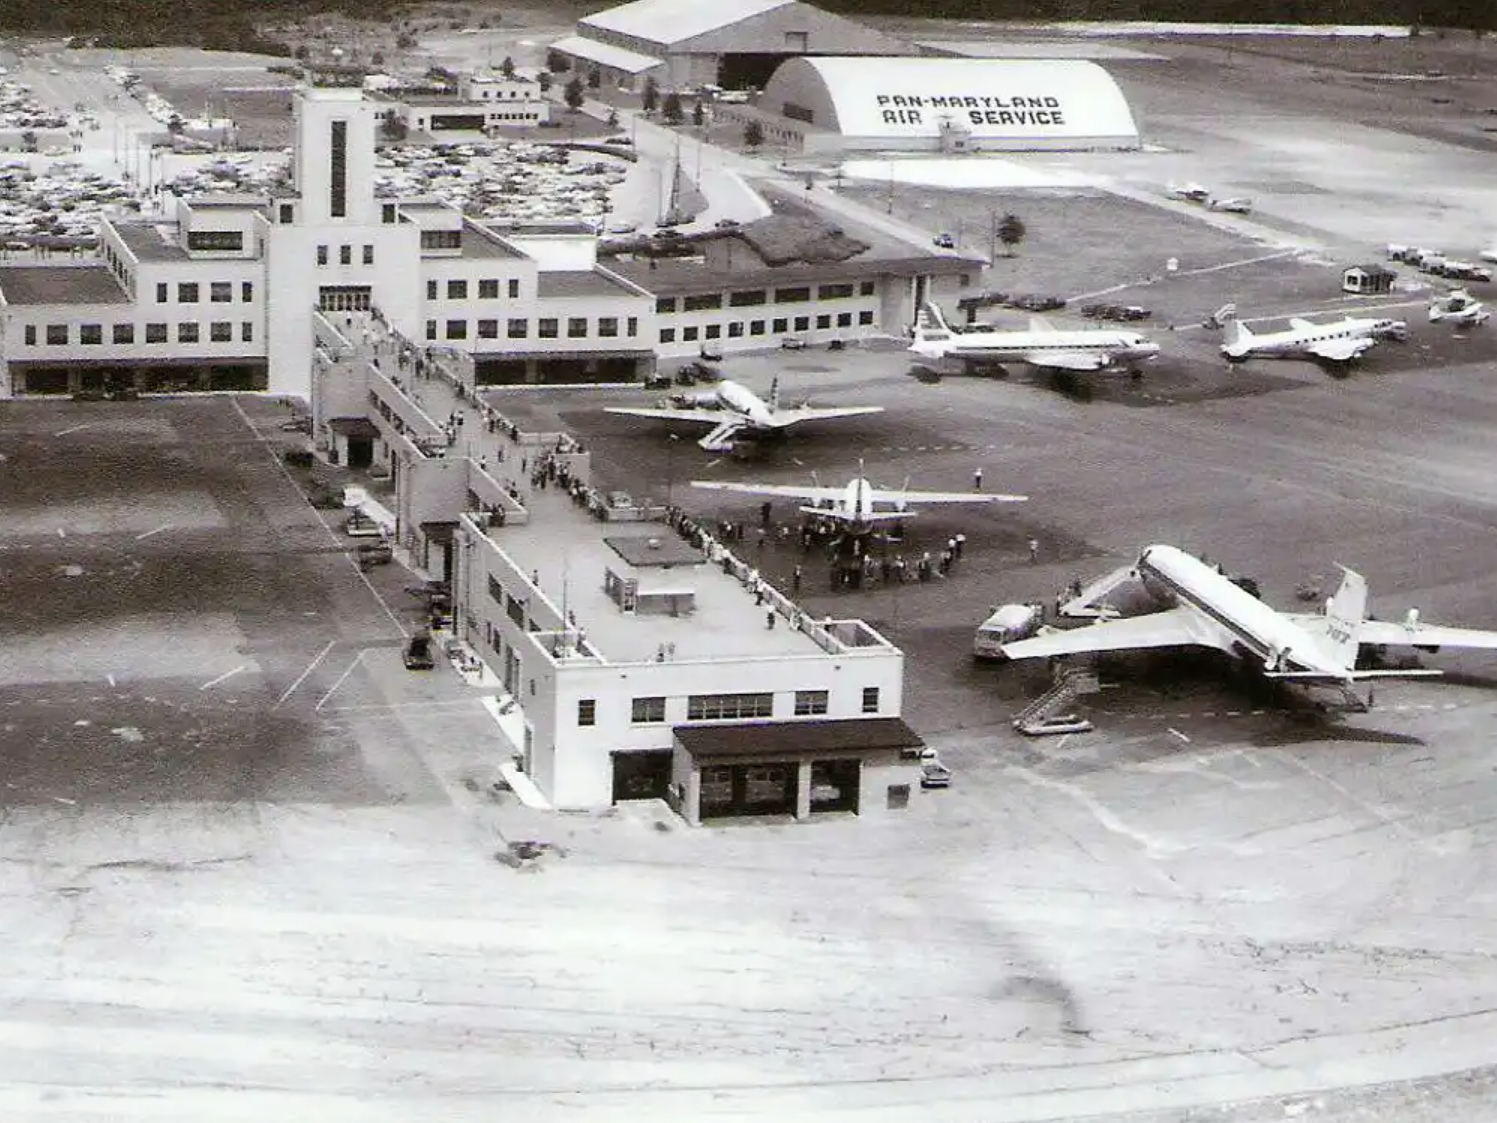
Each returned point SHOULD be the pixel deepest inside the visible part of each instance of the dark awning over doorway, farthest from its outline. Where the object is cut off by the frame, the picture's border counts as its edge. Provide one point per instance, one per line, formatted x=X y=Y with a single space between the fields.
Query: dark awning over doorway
x=786 y=740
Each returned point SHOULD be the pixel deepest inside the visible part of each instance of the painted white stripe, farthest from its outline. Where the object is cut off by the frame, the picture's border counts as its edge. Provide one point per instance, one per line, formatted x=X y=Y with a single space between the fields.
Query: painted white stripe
x=357 y=659
x=74 y=429
x=154 y=530
x=224 y=676
x=1180 y=735
x=303 y=676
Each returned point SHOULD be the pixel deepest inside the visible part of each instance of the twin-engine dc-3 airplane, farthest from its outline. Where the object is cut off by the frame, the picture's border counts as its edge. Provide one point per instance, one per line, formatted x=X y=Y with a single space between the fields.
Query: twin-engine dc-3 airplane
x=1211 y=611
x=859 y=503
x=1341 y=342
x=732 y=409
x=1043 y=345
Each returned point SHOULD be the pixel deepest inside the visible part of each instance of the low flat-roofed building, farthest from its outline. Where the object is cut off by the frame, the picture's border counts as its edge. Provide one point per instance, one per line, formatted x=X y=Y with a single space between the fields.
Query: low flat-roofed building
x=483 y=102
x=615 y=636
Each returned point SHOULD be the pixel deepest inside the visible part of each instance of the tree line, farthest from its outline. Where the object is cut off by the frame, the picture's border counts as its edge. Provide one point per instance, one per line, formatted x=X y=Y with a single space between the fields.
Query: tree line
x=1468 y=14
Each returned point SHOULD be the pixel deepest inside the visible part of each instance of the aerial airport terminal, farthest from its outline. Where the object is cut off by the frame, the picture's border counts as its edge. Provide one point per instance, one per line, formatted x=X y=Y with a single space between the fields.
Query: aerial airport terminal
x=949 y=611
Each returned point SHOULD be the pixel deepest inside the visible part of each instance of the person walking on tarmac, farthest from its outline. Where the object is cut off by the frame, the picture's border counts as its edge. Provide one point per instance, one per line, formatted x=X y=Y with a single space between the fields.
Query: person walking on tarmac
x=1034 y=550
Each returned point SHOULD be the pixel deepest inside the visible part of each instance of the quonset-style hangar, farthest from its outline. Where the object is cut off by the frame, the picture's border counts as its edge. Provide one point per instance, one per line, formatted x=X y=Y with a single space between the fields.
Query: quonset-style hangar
x=947 y=104
x=735 y=44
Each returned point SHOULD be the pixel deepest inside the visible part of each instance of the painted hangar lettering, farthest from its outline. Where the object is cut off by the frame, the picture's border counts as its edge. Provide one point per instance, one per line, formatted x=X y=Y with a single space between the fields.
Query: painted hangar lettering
x=907 y=109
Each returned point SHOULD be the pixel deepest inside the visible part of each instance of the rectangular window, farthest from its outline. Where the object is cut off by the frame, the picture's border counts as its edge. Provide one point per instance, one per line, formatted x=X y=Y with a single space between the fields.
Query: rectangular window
x=187 y=292
x=756 y=327
x=161 y=292
x=735 y=329
x=519 y=329
x=834 y=292
x=702 y=302
x=155 y=333
x=337 y=202
x=431 y=290
x=221 y=331
x=608 y=326
x=489 y=289
x=457 y=329
x=288 y=214
x=728 y=707
x=215 y=240
x=345 y=255
x=514 y=610
x=647 y=711
x=689 y=335
x=488 y=329
x=188 y=333
x=823 y=322
x=90 y=333
x=496 y=591
x=750 y=298
x=867 y=288
x=368 y=255
x=781 y=325
x=810 y=702
x=576 y=327
x=792 y=296
x=665 y=305
x=246 y=332
x=221 y=292
x=865 y=318
x=844 y=319
x=441 y=239
x=546 y=328
x=31 y=335
x=802 y=323
x=633 y=326
x=714 y=331
x=247 y=291
x=457 y=290
x=514 y=290
x=124 y=333
x=587 y=711
x=57 y=334
x=431 y=329
x=321 y=255
x=387 y=214
x=870 y=699
x=667 y=335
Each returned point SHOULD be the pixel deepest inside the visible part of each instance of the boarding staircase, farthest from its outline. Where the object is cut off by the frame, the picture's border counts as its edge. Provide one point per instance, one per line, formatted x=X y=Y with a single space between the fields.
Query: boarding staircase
x=1088 y=604
x=1042 y=717
x=720 y=439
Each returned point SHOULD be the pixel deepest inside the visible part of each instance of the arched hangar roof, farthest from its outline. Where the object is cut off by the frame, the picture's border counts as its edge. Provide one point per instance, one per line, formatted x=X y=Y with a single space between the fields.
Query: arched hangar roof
x=1049 y=102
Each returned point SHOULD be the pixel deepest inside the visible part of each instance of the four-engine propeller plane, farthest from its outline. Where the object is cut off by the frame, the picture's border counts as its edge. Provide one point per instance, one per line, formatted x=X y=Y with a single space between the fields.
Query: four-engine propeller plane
x=731 y=409
x=1043 y=345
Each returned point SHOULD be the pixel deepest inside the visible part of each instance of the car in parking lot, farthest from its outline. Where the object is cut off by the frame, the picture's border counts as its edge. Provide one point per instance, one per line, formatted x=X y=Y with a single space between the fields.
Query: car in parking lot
x=933 y=774
x=944 y=241
x=418 y=654
x=793 y=343
x=689 y=374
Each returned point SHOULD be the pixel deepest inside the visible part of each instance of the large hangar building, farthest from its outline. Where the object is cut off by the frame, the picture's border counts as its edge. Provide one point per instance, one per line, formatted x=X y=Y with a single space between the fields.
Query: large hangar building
x=735 y=44
x=838 y=104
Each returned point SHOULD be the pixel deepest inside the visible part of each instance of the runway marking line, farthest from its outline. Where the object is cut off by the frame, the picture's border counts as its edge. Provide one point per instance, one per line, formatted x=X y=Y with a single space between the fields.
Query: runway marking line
x=73 y=429
x=225 y=676
x=154 y=530
x=357 y=659
x=303 y=676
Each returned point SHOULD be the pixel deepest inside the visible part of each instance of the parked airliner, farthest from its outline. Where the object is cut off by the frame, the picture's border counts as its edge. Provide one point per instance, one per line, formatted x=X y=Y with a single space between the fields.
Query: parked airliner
x=732 y=408
x=1043 y=345
x=1341 y=342
x=1211 y=611
x=860 y=503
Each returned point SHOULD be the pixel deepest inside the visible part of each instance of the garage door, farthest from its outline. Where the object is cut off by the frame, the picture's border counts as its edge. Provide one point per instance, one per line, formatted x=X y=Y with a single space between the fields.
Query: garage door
x=641 y=775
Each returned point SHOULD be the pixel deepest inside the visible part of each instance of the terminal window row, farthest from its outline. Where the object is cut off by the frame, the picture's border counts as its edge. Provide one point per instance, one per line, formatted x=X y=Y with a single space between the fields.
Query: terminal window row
x=757 y=327
x=219 y=292
x=345 y=255
x=545 y=328
x=457 y=289
x=751 y=298
x=220 y=331
x=728 y=707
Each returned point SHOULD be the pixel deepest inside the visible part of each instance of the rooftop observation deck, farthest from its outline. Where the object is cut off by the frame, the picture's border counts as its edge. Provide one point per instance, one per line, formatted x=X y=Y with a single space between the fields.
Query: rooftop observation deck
x=570 y=552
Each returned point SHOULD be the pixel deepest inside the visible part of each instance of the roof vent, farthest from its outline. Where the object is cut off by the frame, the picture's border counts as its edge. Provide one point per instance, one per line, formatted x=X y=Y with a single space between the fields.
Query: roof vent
x=653 y=543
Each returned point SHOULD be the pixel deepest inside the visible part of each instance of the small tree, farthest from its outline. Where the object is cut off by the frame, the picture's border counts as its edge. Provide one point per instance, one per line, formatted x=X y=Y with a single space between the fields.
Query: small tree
x=557 y=62
x=507 y=67
x=698 y=115
x=594 y=79
x=28 y=141
x=650 y=97
x=613 y=118
x=378 y=58
x=543 y=79
x=573 y=94
x=393 y=126
x=671 y=110
x=1011 y=232
x=405 y=41
x=753 y=134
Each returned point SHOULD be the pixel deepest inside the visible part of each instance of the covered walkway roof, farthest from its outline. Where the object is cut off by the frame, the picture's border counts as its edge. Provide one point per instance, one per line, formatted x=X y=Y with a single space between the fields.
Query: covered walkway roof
x=605 y=54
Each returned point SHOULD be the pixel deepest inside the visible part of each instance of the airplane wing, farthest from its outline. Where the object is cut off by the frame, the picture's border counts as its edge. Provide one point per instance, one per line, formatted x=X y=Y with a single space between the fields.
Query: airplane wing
x=1396 y=632
x=919 y=498
x=705 y=416
x=809 y=494
x=1298 y=323
x=1173 y=628
x=1339 y=350
x=1067 y=360
x=785 y=417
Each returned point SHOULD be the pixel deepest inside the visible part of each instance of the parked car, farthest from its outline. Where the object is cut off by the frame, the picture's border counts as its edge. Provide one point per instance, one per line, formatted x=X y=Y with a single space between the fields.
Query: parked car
x=793 y=343
x=418 y=654
x=360 y=525
x=725 y=223
x=689 y=374
x=945 y=241
x=657 y=380
x=371 y=554
x=712 y=353
x=933 y=774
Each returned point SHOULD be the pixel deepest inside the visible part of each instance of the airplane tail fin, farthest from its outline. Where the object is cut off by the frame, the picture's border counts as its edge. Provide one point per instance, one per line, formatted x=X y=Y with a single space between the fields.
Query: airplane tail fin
x=1236 y=338
x=774 y=396
x=1344 y=614
x=931 y=318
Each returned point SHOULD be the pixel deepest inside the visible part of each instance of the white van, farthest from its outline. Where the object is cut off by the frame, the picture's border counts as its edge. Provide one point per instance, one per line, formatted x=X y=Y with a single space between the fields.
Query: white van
x=1007 y=623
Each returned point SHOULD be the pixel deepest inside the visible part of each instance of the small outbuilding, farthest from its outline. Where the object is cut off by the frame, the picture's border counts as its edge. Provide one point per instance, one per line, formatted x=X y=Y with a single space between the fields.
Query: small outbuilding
x=1368 y=280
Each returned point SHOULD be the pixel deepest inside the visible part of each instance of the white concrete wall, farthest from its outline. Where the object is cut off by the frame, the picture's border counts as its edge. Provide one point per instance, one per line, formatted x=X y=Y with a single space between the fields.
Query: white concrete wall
x=854 y=308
